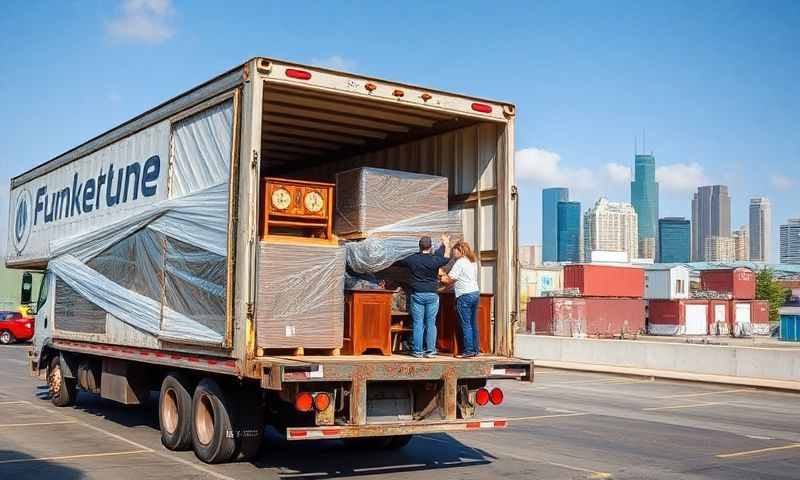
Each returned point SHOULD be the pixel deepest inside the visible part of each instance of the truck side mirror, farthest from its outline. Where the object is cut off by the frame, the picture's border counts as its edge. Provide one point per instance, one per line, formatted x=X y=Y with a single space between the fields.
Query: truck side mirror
x=27 y=288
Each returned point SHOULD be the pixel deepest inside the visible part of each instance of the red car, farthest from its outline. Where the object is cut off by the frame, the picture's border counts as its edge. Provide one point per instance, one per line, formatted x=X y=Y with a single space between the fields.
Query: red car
x=15 y=328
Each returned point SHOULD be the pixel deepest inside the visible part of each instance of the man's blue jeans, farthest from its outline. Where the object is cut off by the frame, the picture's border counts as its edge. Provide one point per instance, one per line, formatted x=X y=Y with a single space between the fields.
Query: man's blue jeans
x=424 y=307
x=467 y=308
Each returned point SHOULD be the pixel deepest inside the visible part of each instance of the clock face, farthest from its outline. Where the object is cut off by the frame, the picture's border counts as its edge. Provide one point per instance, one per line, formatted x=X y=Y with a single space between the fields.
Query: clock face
x=314 y=202
x=281 y=199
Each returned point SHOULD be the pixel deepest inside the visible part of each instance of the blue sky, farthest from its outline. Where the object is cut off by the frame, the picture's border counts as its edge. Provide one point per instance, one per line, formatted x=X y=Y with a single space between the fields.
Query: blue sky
x=714 y=84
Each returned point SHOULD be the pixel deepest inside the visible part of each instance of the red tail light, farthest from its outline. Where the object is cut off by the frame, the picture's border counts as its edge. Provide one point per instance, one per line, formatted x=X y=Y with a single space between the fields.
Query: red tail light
x=482 y=397
x=496 y=396
x=482 y=107
x=304 y=402
x=322 y=401
x=299 y=74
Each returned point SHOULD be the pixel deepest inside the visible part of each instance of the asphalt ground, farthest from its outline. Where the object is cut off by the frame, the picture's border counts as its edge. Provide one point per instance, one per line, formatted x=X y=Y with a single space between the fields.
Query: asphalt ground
x=567 y=425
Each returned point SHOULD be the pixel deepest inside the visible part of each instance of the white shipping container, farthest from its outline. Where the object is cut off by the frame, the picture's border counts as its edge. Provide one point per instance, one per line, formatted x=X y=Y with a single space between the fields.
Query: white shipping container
x=666 y=282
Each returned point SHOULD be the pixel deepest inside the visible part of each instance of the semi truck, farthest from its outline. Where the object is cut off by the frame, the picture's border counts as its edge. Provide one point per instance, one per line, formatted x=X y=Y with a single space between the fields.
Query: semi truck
x=148 y=235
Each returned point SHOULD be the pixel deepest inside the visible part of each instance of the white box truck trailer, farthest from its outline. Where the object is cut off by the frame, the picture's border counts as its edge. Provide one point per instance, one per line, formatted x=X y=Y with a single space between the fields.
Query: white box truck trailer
x=149 y=237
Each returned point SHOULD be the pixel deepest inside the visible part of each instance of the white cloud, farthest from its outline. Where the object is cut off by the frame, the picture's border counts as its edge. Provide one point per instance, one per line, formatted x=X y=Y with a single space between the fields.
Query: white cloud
x=335 y=62
x=145 y=21
x=618 y=173
x=543 y=168
x=781 y=182
x=680 y=177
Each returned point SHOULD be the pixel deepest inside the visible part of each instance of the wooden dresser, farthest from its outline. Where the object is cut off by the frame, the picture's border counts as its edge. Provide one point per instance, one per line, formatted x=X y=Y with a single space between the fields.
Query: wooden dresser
x=367 y=321
x=448 y=336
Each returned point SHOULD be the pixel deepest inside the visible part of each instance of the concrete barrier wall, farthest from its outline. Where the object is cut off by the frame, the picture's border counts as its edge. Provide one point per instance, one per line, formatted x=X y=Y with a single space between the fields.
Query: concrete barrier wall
x=728 y=361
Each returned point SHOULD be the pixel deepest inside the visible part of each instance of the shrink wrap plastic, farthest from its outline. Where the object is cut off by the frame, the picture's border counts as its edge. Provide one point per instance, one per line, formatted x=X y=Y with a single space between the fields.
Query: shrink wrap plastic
x=392 y=209
x=162 y=270
x=301 y=296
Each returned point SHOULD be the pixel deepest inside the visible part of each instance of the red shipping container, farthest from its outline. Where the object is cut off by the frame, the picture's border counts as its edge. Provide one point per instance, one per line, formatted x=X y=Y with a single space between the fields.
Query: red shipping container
x=739 y=282
x=718 y=317
x=678 y=317
x=558 y=316
x=740 y=318
x=759 y=314
x=605 y=280
x=613 y=316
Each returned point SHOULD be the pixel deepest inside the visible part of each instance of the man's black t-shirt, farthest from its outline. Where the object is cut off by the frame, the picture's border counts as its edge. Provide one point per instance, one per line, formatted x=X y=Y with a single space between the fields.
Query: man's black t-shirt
x=424 y=270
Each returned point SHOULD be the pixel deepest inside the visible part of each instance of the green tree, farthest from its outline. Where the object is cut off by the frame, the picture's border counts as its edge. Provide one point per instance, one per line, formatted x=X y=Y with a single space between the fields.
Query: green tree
x=767 y=288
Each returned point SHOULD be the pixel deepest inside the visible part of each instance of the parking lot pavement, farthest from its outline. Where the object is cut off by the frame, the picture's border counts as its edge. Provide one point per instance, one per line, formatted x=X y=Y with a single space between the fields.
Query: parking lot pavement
x=567 y=425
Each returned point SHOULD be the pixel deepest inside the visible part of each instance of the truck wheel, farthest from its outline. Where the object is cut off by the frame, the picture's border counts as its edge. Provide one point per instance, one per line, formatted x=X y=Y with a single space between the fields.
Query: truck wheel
x=62 y=390
x=6 y=337
x=213 y=437
x=175 y=412
x=249 y=424
x=398 y=441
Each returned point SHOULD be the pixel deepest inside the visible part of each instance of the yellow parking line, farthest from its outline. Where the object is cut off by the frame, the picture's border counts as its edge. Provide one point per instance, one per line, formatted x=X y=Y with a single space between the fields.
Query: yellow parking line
x=61 y=422
x=71 y=457
x=755 y=452
x=687 y=395
x=674 y=407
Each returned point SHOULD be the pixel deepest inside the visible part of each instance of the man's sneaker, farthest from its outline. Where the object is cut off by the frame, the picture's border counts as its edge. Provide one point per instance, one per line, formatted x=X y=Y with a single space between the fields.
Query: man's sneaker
x=417 y=354
x=430 y=354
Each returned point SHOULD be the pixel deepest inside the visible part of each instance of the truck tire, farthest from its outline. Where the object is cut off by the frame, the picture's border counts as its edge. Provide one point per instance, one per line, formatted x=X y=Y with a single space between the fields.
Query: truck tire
x=6 y=337
x=175 y=412
x=397 y=442
x=250 y=420
x=62 y=390
x=213 y=437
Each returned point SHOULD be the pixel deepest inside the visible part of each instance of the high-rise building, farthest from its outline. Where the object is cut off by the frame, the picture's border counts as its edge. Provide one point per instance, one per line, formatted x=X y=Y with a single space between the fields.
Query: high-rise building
x=674 y=240
x=530 y=255
x=711 y=217
x=569 y=231
x=644 y=198
x=550 y=199
x=790 y=241
x=719 y=249
x=611 y=227
x=741 y=244
x=760 y=229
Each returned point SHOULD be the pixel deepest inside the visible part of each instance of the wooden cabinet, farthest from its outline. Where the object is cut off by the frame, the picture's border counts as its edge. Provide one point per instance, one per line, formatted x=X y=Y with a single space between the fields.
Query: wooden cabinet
x=368 y=321
x=448 y=335
x=297 y=210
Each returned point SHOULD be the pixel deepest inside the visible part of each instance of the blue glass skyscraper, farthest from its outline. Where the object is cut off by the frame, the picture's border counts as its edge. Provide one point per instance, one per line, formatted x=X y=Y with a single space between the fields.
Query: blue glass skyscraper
x=674 y=240
x=550 y=199
x=569 y=231
x=644 y=198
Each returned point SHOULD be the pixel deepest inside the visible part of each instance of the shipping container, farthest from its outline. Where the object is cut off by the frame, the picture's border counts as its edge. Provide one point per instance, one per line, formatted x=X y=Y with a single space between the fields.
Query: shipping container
x=559 y=316
x=790 y=324
x=605 y=280
x=718 y=319
x=739 y=282
x=760 y=317
x=678 y=317
x=150 y=236
x=666 y=282
x=607 y=316
x=741 y=322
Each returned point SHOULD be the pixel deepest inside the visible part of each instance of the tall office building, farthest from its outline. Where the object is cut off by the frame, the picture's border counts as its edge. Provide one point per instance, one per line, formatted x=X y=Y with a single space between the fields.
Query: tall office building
x=644 y=198
x=711 y=217
x=790 y=241
x=719 y=249
x=569 y=231
x=760 y=229
x=674 y=240
x=550 y=199
x=530 y=255
x=611 y=227
x=741 y=244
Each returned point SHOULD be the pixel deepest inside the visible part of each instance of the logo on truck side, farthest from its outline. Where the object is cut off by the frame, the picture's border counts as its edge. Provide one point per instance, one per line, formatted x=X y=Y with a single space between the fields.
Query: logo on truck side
x=22 y=220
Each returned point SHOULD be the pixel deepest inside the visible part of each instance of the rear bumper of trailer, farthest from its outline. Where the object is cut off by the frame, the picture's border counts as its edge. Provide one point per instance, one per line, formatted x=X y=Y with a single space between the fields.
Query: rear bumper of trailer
x=391 y=429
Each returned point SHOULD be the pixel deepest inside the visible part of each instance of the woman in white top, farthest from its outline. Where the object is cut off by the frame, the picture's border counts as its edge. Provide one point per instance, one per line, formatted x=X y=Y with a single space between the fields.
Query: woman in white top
x=464 y=277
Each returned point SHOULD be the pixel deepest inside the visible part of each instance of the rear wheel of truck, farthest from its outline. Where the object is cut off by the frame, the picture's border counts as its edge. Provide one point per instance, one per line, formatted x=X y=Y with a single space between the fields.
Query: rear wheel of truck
x=249 y=421
x=175 y=412
x=62 y=390
x=213 y=437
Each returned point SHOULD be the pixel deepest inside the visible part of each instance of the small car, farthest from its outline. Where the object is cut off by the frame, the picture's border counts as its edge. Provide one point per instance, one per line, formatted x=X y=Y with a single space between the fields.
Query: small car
x=14 y=327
